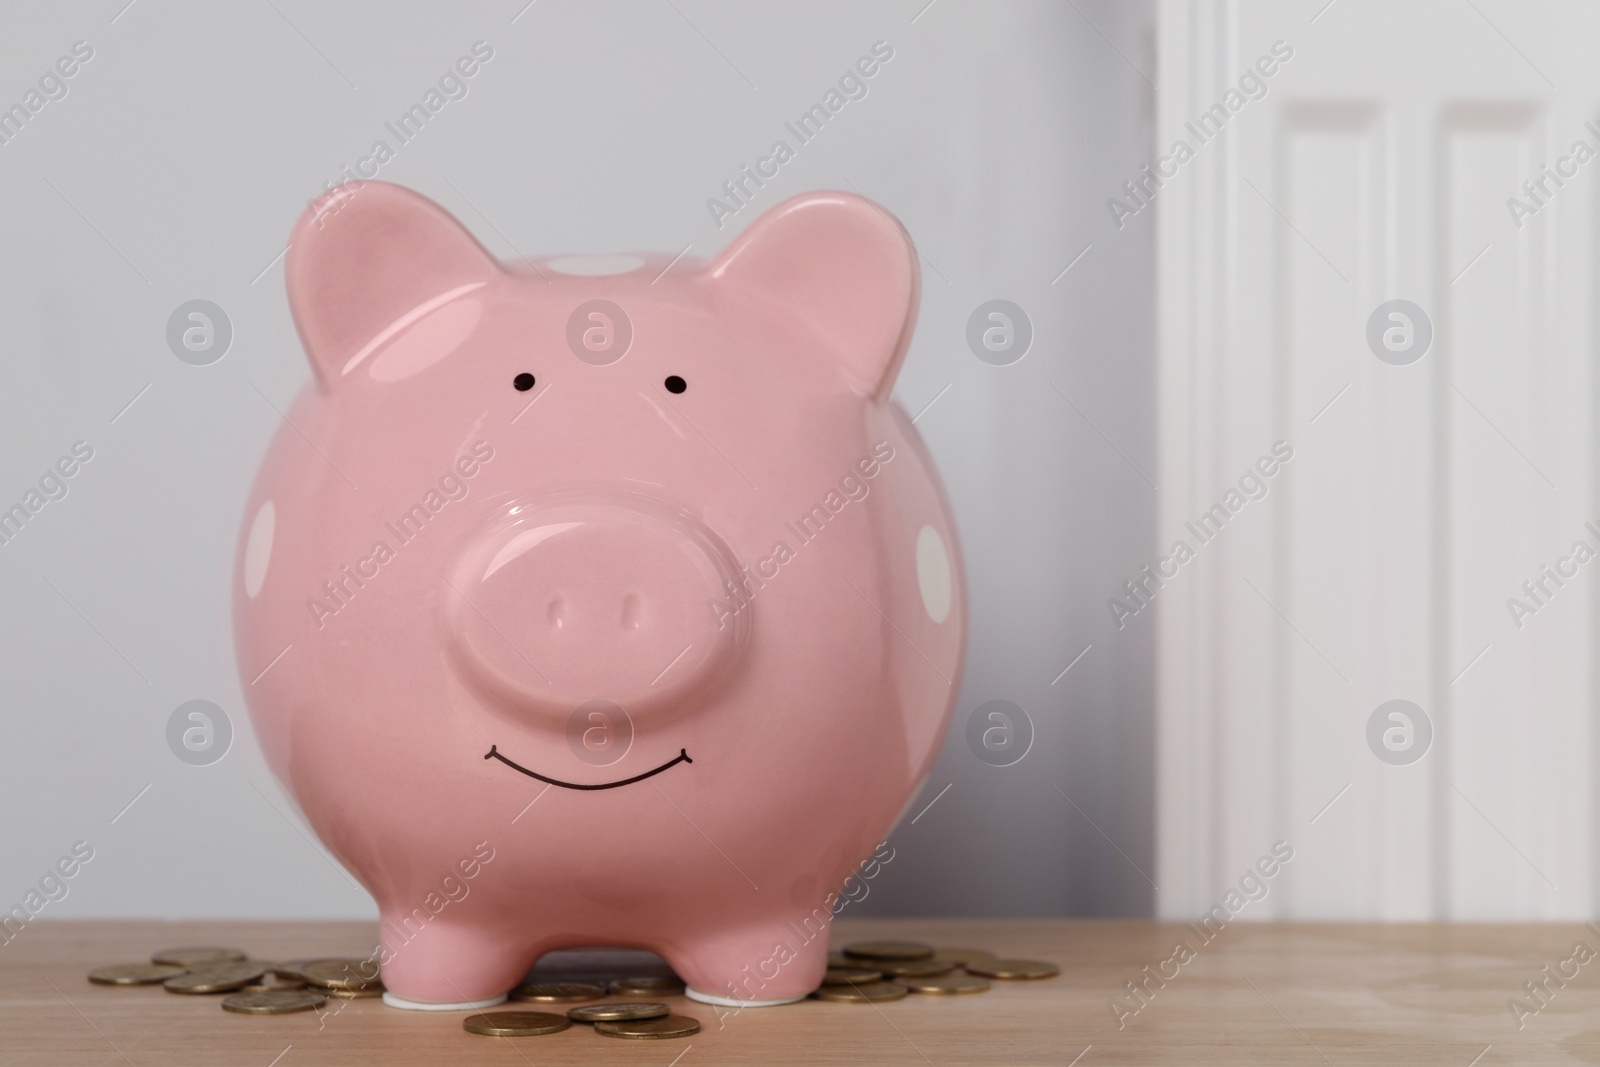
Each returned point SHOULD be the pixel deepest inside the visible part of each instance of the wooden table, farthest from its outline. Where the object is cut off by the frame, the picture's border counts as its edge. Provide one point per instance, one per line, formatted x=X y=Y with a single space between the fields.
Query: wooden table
x=1331 y=994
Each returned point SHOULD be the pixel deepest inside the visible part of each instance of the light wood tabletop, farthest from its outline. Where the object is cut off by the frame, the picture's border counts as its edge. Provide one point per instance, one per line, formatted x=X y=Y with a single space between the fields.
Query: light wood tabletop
x=1329 y=993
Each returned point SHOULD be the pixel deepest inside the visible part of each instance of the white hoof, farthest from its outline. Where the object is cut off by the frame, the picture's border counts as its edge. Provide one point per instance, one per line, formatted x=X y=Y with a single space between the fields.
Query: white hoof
x=419 y=1005
x=735 y=1002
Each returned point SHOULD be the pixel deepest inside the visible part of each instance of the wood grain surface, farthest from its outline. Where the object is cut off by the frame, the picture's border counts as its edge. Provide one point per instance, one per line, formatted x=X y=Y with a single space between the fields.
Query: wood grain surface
x=1331 y=994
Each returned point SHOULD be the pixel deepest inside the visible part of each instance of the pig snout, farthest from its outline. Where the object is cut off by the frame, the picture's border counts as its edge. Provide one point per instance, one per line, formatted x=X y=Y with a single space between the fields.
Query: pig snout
x=611 y=599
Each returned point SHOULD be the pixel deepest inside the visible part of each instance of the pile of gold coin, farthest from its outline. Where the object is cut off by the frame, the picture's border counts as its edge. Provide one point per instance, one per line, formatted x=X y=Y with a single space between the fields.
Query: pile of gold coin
x=254 y=987
x=630 y=1017
x=865 y=972
x=869 y=972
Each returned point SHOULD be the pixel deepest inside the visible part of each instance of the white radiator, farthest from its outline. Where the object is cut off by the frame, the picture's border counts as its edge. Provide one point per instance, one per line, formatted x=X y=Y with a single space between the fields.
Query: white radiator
x=1384 y=160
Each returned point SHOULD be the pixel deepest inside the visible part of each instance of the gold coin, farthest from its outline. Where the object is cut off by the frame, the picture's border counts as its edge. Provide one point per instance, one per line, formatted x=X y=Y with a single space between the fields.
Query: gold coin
x=888 y=950
x=342 y=974
x=614 y=1013
x=963 y=956
x=289 y=970
x=515 y=1024
x=647 y=987
x=848 y=974
x=839 y=959
x=273 y=1002
x=353 y=994
x=557 y=992
x=1014 y=969
x=954 y=982
x=134 y=973
x=194 y=957
x=214 y=978
x=913 y=968
x=861 y=994
x=666 y=1026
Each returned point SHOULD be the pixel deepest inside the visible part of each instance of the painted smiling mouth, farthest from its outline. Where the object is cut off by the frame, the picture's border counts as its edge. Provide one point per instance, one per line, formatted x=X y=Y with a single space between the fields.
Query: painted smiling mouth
x=681 y=757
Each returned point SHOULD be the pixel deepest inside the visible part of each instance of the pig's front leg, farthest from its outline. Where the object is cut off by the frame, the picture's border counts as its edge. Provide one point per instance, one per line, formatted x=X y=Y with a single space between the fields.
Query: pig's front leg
x=756 y=965
x=445 y=965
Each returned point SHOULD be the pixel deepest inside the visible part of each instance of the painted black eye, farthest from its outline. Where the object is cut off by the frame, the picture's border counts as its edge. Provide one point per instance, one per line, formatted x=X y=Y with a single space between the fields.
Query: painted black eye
x=523 y=382
x=675 y=384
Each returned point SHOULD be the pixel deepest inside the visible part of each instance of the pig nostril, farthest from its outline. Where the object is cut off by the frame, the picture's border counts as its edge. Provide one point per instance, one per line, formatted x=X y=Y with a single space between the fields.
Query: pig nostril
x=556 y=612
x=630 y=611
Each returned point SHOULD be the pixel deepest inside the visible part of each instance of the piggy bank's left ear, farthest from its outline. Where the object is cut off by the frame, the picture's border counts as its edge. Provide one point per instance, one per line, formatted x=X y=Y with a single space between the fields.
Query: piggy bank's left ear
x=845 y=264
x=368 y=260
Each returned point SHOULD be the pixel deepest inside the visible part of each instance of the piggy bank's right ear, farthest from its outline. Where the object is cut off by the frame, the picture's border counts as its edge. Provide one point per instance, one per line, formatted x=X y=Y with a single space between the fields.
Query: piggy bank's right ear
x=845 y=264
x=366 y=261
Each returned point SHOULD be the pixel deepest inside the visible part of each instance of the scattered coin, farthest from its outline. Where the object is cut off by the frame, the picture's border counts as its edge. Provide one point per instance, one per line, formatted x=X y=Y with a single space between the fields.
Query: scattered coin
x=861 y=994
x=273 y=1001
x=1014 y=969
x=134 y=973
x=614 y=1013
x=557 y=992
x=342 y=974
x=888 y=950
x=515 y=1023
x=194 y=957
x=913 y=968
x=214 y=978
x=848 y=974
x=963 y=956
x=667 y=1026
x=954 y=982
x=865 y=972
x=647 y=987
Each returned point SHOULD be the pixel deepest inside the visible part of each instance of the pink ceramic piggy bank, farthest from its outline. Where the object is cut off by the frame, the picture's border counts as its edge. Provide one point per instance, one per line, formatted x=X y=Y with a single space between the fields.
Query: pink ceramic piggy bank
x=600 y=600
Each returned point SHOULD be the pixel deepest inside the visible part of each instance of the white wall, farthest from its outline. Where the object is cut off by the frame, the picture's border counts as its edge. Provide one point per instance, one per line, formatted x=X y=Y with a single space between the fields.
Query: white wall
x=173 y=170
x=1420 y=497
